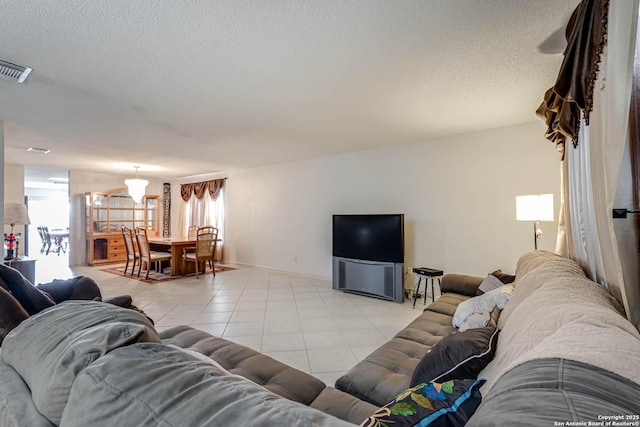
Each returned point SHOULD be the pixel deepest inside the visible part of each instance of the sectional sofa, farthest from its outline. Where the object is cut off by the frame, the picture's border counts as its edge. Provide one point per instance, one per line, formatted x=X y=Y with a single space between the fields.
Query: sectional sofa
x=561 y=350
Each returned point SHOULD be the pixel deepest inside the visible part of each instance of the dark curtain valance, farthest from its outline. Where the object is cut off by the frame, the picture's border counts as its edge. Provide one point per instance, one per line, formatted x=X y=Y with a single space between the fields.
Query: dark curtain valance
x=200 y=188
x=573 y=91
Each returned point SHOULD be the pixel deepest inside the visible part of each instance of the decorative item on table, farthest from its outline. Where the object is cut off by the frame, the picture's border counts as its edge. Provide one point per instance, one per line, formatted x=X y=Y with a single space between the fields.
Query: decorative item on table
x=536 y=208
x=14 y=213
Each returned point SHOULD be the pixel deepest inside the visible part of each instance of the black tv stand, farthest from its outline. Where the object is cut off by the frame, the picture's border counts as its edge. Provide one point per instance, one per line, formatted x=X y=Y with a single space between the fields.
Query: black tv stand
x=371 y=278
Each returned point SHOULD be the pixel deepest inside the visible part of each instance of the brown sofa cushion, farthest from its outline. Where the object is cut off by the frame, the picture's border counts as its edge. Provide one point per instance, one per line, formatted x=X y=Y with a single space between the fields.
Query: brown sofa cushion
x=460 y=284
x=273 y=375
x=447 y=304
x=343 y=405
x=387 y=371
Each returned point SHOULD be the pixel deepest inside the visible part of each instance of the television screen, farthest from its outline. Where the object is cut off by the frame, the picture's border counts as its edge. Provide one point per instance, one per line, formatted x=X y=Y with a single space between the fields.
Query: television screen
x=369 y=237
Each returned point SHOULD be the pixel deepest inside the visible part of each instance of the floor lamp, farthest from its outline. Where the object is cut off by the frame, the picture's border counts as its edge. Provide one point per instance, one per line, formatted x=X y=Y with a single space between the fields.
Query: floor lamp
x=536 y=208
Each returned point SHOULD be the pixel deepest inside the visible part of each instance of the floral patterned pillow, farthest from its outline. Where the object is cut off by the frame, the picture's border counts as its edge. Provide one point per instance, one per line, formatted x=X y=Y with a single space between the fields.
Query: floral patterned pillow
x=449 y=404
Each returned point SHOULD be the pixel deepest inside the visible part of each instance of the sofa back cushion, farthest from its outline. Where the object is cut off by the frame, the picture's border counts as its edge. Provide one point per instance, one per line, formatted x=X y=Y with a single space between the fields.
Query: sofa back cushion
x=16 y=407
x=546 y=392
x=460 y=284
x=154 y=384
x=534 y=270
x=238 y=359
x=48 y=350
x=558 y=312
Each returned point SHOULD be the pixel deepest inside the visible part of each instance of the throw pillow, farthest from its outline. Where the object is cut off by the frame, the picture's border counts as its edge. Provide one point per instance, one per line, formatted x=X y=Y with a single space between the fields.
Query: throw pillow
x=461 y=355
x=436 y=404
x=496 y=298
x=504 y=277
x=490 y=283
x=49 y=349
x=480 y=319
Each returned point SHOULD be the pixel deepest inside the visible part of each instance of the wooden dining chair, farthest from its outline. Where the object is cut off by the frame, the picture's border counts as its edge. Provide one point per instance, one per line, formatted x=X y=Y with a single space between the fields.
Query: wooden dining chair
x=43 y=232
x=147 y=256
x=192 y=232
x=132 y=251
x=205 y=250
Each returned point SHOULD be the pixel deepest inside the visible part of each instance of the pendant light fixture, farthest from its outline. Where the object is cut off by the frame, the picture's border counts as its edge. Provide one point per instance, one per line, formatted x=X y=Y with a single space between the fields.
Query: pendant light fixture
x=136 y=187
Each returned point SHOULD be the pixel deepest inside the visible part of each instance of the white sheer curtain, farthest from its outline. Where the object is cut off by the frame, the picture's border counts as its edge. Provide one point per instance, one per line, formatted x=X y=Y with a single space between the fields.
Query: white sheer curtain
x=590 y=171
x=201 y=212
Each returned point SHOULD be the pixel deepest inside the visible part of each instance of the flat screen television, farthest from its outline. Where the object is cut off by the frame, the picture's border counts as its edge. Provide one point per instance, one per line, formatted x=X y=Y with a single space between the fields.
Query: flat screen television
x=369 y=237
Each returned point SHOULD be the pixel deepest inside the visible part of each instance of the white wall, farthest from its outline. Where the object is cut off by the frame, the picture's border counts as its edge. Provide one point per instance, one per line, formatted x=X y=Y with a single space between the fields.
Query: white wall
x=81 y=182
x=457 y=194
x=14 y=193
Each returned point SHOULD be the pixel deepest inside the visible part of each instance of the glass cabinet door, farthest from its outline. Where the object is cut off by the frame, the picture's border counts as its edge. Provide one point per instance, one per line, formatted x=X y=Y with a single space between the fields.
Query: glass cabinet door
x=151 y=213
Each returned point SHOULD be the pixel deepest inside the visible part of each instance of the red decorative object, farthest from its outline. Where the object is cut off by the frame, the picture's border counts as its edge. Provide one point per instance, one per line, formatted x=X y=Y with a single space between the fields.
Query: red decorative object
x=11 y=239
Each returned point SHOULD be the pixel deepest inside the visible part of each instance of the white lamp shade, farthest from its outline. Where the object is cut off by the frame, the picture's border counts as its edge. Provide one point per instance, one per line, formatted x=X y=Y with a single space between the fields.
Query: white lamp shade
x=136 y=188
x=16 y=213
x=534 y=207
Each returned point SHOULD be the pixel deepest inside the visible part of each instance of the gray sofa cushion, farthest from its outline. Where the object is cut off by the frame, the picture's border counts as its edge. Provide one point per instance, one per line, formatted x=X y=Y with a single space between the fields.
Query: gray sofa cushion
x=176 y=389
x=50 y=348
x=273 y=375
x=16 y=407
x=543 y=391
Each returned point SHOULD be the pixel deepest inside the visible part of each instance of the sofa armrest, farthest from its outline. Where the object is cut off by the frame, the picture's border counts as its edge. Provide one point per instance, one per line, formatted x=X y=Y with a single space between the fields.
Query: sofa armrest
x=460 y=284
x=342 y=405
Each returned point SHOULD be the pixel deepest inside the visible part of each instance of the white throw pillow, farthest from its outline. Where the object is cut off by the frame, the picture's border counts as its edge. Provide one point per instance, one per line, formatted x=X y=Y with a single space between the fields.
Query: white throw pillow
x=477 y=319
x=498 y=297
x=490 y=283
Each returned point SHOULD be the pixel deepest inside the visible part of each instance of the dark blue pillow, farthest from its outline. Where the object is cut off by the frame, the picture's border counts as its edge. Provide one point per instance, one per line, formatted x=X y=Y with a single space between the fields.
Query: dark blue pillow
x=448 y=404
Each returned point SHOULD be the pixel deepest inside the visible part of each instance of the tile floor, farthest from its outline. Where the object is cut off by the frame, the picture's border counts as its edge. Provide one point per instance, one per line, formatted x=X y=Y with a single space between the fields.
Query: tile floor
x=298 y=320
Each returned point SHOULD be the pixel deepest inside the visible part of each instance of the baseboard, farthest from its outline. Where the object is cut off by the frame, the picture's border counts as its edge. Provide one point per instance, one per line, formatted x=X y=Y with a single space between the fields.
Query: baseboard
x=275 y=270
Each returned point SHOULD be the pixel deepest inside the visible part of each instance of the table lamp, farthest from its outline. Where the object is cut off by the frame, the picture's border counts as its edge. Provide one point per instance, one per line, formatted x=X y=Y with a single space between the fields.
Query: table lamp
x=536 y=208
x=14 y=213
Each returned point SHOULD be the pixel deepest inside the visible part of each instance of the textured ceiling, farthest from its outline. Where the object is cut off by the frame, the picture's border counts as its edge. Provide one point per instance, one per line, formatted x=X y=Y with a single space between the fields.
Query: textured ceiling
x=185 y=88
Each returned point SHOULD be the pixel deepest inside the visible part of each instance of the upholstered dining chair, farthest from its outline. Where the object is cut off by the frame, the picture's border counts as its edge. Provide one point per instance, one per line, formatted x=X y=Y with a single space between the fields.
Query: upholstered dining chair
x=132 y=251
x=147 y=256
x=205 y=250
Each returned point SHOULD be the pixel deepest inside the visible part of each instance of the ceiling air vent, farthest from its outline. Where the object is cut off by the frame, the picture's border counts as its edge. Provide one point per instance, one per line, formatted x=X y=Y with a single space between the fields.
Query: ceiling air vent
x=14 y=72
x=39 y=150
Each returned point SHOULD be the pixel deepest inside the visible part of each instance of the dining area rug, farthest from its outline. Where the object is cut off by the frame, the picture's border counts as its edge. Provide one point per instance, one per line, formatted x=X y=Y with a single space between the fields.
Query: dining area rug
x=156 y=276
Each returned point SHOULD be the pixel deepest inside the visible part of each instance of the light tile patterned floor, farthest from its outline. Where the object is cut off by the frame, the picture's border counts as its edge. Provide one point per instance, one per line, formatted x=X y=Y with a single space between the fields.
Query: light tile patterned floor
x=297 y=320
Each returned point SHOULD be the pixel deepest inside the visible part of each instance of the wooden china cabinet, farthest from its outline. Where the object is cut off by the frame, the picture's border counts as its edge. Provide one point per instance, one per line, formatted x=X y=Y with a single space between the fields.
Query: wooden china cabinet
x=106 y=213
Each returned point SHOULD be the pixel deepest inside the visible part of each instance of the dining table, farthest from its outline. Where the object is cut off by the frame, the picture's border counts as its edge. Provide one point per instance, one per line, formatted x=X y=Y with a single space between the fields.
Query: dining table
x=174 y=244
